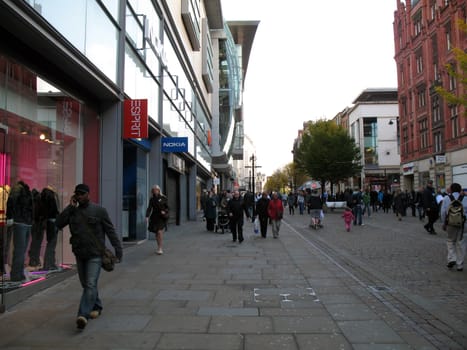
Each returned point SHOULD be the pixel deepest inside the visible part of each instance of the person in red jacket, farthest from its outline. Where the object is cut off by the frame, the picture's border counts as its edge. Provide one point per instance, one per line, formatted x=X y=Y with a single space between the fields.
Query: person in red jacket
x=275 y=213
x=348 y=218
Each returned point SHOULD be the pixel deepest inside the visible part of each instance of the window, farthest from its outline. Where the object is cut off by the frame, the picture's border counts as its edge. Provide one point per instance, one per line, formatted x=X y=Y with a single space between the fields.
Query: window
x=438 y=142
x=452 y=79
x=454 y=122
x=423 y=126
x=432 y=9
x=436 y=72
x=401 y=74
x=421 y=98
x=448 y=37
x=436 y=110
x=419 y=61
x=417 y=23
x=191 y=16
x=405 y=137
x=370 y=135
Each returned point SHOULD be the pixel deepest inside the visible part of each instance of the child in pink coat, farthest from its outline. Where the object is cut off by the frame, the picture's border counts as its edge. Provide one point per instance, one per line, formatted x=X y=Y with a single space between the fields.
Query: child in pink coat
x=348 y=218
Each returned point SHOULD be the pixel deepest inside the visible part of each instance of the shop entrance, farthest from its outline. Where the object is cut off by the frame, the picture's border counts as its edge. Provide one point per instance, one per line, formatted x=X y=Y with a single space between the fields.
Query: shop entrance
x=135 y=192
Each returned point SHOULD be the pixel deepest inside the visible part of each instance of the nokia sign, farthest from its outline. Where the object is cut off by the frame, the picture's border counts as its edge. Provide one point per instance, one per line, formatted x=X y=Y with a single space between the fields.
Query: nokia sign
x=174 y=144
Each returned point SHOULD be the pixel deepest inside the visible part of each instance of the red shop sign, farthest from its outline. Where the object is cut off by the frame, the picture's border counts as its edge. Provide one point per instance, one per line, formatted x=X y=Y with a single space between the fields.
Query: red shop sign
x=135 y=119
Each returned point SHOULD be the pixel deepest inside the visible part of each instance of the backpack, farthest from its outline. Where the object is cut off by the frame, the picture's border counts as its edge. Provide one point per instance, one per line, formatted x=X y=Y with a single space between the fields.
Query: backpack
x=455 y=213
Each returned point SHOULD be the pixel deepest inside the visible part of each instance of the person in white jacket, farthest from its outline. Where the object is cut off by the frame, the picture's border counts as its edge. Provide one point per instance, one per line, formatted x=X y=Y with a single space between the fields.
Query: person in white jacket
x=455 y=241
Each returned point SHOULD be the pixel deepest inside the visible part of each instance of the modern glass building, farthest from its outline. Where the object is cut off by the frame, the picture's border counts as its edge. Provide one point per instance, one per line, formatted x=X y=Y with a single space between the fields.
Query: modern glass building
x=66 y=68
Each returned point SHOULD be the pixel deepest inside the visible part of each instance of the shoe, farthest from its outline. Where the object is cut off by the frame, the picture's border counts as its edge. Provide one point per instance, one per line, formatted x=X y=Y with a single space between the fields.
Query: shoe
x=81 y=322
x=94 y=314
x=240 y=240
x=234 y=240
x=451 y=264
x=460 y=269
x=159 y=251
x=427 y=228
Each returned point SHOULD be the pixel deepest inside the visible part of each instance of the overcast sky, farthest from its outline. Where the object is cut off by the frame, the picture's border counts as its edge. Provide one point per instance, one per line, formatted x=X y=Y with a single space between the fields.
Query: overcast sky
x=310 y=59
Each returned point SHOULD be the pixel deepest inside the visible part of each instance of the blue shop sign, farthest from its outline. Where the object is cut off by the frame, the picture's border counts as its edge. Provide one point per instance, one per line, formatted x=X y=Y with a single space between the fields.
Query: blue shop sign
x=174 y=144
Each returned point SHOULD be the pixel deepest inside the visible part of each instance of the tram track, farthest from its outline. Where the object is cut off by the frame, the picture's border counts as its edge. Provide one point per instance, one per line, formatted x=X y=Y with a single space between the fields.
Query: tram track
x=423 y=322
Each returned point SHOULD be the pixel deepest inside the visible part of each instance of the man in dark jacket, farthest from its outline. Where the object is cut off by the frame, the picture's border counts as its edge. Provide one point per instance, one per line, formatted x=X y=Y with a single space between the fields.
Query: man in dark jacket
x=430 y=206
x=262 y=212
x=89 y=224
x=235 y=209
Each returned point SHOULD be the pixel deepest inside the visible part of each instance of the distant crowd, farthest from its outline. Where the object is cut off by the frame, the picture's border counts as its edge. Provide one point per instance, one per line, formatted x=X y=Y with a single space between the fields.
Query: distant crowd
x=429 y=205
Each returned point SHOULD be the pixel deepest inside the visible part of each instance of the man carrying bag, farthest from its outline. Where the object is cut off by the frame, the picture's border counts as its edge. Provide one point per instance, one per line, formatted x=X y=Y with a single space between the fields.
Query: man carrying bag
x=89 y=224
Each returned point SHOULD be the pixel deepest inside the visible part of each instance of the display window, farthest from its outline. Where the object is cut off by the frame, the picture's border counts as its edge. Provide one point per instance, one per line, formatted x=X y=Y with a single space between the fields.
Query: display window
x=44 y=135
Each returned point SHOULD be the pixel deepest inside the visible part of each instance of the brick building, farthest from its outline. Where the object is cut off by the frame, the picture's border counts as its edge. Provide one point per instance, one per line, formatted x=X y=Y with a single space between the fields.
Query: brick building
x=433 y=133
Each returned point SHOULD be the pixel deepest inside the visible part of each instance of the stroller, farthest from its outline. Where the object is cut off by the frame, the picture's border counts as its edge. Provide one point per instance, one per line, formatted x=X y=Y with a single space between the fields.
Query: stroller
x=222 y=221
x=316 y=219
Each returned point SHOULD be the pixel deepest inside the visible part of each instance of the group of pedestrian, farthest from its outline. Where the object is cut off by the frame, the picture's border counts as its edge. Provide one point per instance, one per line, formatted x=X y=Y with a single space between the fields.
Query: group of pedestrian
x=89 y=226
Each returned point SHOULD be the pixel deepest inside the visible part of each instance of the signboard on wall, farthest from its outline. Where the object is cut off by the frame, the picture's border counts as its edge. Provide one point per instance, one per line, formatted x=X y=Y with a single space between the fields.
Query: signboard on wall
x=135 y=119
x=174 y=144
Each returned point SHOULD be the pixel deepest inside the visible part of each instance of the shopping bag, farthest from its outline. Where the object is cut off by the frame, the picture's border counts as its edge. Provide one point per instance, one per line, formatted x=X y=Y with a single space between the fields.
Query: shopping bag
x=256 y=225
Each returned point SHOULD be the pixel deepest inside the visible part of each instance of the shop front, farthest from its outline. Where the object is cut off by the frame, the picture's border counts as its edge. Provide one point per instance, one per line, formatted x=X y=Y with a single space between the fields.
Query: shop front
x=48 y=143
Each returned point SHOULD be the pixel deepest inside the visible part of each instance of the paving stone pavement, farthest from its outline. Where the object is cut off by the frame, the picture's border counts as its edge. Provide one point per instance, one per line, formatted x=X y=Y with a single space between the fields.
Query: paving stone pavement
x=381 y=286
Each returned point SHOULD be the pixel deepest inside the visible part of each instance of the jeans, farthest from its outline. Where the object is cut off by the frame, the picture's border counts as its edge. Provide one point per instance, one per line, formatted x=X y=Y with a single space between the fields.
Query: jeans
x=357 y=212
x=88 y=272
x=367 y=208
x=21 y=233
x=301 y=206
x=36 y=242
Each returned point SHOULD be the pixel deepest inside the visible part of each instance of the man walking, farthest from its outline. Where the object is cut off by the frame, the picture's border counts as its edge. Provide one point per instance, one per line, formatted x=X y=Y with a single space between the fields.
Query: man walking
x=454 y=230
x=89 y=224
x=235 y=209
x=430 y=206
x=357 y=202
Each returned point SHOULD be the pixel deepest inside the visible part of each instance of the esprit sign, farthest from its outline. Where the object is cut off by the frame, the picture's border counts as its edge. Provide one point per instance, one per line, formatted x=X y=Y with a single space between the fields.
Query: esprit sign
x=174 y=144
x=135 y=119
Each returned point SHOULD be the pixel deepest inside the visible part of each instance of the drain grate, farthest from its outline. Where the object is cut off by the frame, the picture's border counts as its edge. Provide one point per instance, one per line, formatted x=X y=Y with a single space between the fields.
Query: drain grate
x=379 y=288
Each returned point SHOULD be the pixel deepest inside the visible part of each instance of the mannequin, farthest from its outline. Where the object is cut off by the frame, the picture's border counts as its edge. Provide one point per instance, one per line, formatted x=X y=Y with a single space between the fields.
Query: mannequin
x=20 y=211
x=4 y=236
x=46 y=211
x=49 y=204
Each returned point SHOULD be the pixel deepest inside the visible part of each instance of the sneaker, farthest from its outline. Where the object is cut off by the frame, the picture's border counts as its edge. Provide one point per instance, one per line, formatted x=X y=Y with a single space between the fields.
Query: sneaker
x=159 y=251
x=94 y=314
x=451 y=264
x=81 y=322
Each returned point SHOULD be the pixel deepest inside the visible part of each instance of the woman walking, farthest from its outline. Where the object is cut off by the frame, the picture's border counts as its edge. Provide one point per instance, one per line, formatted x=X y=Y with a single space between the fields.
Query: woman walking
x=275 y=213
x=157 y=215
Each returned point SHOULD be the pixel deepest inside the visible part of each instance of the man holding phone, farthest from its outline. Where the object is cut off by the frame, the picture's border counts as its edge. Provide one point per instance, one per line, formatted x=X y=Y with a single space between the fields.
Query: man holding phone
x=86 y=218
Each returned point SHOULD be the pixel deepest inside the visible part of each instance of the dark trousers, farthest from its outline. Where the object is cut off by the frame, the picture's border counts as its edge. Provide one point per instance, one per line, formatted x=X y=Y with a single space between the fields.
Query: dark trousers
x=432 y=216
x=210 y=224
x=263 y=224
x=236 y=227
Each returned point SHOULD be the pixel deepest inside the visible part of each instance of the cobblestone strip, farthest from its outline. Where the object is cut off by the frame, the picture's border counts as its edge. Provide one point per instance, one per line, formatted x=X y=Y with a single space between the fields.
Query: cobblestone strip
x=421 y=321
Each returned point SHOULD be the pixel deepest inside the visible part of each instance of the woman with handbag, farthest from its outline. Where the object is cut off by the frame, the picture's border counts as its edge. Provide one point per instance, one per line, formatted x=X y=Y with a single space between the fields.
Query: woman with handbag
x=275 y=213
x=157 y=215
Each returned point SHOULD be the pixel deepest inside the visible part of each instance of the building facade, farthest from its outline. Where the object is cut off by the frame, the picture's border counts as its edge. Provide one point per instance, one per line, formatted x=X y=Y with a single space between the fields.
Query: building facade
x=66 y=69
x=373 y=124
x=433 y=132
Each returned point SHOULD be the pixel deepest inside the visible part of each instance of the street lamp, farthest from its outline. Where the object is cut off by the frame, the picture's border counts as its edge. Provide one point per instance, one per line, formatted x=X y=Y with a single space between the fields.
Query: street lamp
x=253 y=167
